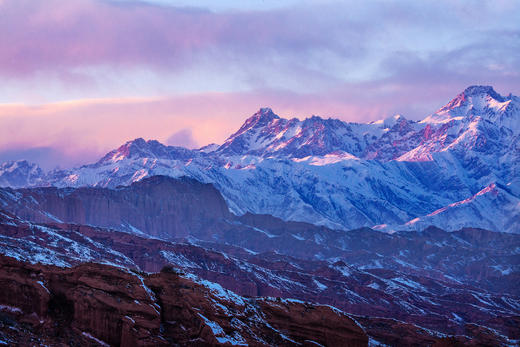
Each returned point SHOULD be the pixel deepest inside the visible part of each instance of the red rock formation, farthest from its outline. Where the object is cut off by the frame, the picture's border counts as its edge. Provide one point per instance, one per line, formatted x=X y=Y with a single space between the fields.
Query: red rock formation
x=372 y=292
x=93 y=304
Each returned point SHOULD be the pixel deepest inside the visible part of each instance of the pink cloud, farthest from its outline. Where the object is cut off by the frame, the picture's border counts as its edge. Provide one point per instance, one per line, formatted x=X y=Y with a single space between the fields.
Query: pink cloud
x=56 y=34
x=84 y=130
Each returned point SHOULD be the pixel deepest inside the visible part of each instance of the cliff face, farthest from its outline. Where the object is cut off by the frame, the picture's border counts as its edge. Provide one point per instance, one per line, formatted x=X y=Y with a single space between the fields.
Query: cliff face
x=94 y=304
x=189 y=211
x=158 y=206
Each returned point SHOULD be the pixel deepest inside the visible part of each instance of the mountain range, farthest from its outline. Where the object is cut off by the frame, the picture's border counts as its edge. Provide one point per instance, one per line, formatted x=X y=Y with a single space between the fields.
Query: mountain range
x=290 y=233
x=458 y=167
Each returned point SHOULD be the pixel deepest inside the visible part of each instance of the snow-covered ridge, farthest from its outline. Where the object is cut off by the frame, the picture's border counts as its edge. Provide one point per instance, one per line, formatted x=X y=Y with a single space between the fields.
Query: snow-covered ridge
x=344 y=175
x=19 y=174
x=474 y=101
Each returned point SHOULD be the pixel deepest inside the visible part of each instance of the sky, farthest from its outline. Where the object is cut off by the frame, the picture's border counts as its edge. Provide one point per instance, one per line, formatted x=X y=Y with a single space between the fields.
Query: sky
x=81 y=77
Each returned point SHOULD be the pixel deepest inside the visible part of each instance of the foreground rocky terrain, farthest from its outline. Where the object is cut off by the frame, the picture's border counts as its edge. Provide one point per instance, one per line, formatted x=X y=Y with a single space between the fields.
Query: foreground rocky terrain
x=426 y=285
x=101 y=305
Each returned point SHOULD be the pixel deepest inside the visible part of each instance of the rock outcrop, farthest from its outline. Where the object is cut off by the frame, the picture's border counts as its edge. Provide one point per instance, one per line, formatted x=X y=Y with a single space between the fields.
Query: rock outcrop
x=101 y=305
x=436 y=281
x=420 y=307
x=158 y=206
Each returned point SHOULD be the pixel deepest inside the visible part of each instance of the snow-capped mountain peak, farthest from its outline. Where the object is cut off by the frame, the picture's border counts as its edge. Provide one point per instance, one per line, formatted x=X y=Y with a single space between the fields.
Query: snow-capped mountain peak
x=483 y=90
x=261 y=118
x=11 y=166
x=265 y=135
x=474 y=101
x=20 y=173
x=140 y=148
x=131 y=149
x=469 y=121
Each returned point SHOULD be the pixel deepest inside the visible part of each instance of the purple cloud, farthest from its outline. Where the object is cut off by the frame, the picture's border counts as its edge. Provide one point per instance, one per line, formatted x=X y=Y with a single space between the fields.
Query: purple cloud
x=53 y=34
x=303 y=48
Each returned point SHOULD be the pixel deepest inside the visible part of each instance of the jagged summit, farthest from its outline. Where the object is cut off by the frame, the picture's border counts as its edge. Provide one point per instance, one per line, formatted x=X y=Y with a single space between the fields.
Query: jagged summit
x=141 y=148
x=266 y=111
x=16 y=164
x=261 y=118
x=266 y=134
x=133 y=148
x=19 y=173
x=474 y=101
x=483 y=90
